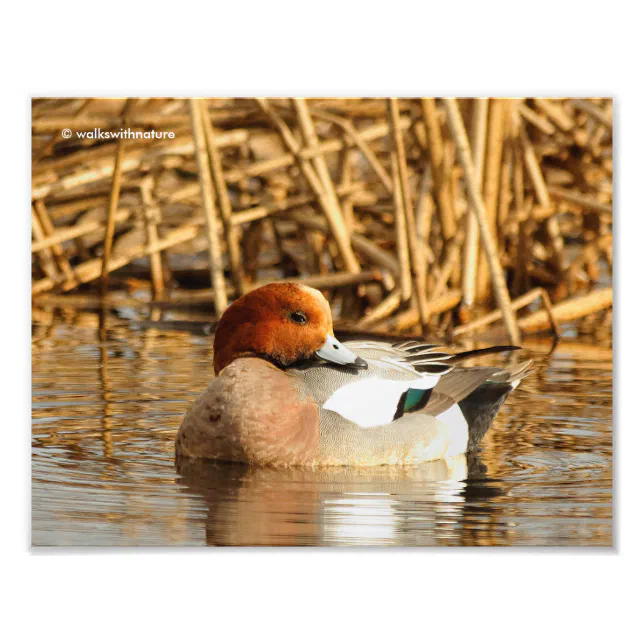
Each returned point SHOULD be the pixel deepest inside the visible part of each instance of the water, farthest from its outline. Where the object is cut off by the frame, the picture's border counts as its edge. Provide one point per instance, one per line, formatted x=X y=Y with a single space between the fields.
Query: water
x=107 y=402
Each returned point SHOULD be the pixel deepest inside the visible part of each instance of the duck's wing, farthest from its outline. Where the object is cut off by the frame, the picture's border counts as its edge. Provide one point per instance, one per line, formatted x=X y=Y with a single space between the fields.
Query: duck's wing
x=421 y=354
x=454 y=387
x=399 y=380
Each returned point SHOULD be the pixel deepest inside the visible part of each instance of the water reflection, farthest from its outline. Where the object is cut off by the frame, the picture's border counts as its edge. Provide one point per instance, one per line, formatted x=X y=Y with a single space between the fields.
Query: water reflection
x=332 y=506
x=108 y=398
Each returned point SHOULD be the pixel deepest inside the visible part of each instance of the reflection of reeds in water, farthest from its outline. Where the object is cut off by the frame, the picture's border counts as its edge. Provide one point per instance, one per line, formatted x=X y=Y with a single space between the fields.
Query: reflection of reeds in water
x=411 y=214
x=108 y=427
x=563 y=446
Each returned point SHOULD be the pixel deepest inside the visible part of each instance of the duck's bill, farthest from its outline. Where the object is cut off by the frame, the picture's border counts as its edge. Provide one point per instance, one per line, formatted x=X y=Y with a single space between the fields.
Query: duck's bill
x=334 y=351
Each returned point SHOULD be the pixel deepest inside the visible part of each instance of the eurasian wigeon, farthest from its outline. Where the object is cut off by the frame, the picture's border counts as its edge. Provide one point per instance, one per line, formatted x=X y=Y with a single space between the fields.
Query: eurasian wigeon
x=286 y=392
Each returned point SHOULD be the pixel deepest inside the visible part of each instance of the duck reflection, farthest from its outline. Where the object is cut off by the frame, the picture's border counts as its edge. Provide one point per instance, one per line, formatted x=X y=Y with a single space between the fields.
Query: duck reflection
x=388 y=505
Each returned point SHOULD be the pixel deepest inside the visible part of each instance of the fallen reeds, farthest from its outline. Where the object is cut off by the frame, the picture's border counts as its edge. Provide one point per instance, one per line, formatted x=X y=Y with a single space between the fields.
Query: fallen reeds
x=402 y=211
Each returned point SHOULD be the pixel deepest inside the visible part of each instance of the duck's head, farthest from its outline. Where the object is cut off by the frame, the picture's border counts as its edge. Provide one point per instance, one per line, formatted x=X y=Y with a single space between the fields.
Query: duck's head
x=282 y=323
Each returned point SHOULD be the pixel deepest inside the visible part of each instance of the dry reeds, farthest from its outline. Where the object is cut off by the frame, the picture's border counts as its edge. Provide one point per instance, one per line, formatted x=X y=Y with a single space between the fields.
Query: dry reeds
x=405 y=212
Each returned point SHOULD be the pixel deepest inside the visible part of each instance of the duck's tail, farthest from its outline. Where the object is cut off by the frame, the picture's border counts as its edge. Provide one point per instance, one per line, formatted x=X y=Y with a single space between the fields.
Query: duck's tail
x=481 y=406
x=468 y=398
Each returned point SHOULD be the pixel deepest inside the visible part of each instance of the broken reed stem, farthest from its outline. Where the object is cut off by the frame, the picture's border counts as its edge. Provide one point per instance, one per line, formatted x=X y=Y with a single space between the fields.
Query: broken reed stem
x=535 y=119
x=517 y=162
x=505 y=190
x=377 y=255
x=596 y=139
x=402 y=247
x=382 y=310
x=476 y=203
x=491 y=186
x=569 y=196
x=471 y=249
x=594 y=112
x=409 y=318
x=260 y=212
x=79 y=230
x=320 y=166
x=207 y=197
x=571 y=309
x=45 y=124
x=522 y=239
x=365 y=246
x=361 y=144
x=346 y=172
x=371 y=133
x=368 y=248
x=418 y=266
x=135 y=158
x=555 y=113
x=336 y=280
x=532 y=166
x=435 y=152
x=152 y=214
x=102 y=168
x=115 y=192
x=57 y=249
x=450 y=263
x=424 y=213
x=539 y=184
x=111 y=214
x=517 y=304
x=319 y=162
x=547 y=303
x=330 y=281
x=91 y=269
x=232 y=237
x=46 y=258
x=334 y=216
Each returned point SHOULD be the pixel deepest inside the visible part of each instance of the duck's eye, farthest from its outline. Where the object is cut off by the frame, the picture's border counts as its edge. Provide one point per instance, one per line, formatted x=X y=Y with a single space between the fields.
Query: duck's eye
x=298 y=317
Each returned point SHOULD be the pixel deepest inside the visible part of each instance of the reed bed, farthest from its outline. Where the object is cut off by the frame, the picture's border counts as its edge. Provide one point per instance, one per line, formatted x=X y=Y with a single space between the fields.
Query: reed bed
x=433 y=216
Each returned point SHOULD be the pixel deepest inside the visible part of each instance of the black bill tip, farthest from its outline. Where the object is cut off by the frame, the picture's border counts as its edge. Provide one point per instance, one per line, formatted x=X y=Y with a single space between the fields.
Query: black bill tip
x=360 y=363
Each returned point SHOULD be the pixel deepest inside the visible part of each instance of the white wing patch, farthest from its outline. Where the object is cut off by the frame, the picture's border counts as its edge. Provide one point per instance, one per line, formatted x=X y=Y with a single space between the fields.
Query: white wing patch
x=454 y=419
x=373 y=401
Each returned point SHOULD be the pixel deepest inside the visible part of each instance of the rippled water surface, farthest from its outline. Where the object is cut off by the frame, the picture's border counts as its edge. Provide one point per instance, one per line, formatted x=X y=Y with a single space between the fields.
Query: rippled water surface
x=108 y=401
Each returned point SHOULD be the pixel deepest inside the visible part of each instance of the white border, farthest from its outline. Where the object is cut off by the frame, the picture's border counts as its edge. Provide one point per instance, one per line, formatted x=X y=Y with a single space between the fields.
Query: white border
x=330 y=48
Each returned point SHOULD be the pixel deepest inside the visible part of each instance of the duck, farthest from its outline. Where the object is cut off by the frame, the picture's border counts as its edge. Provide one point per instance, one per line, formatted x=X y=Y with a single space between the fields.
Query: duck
x=287 y=393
